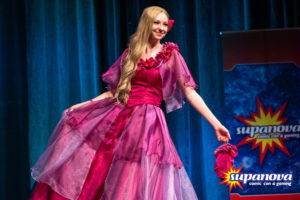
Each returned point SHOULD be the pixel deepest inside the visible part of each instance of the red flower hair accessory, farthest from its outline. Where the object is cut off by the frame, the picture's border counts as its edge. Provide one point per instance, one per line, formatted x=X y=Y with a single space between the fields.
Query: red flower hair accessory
x=171 y=22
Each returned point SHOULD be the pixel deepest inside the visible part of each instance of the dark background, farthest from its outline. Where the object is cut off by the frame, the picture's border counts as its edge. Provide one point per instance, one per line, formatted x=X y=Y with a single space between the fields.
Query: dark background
x=53 y=52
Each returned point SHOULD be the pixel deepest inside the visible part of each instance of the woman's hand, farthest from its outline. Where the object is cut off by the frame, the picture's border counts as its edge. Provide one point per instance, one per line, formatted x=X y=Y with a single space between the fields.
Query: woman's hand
x=74 y=107
x=222 y=134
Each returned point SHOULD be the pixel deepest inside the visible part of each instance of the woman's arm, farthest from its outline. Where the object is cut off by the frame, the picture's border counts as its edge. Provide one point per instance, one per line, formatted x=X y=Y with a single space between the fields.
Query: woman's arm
x=101 y=96
x=197 y=102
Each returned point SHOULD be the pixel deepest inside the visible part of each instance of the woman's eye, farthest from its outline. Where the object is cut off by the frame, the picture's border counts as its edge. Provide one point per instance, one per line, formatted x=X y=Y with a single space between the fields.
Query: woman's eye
x=156 y=22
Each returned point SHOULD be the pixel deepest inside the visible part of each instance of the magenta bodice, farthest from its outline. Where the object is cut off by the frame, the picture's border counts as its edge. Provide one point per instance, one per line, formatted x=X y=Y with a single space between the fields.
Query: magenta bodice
x=146 y=88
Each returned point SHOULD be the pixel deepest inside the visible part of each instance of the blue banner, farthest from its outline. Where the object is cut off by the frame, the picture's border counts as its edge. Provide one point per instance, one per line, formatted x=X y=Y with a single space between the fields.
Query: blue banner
x=262 y=106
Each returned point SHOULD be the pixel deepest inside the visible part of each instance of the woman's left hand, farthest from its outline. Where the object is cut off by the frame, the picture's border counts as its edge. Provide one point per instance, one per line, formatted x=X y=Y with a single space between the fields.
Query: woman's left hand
x=222 y=134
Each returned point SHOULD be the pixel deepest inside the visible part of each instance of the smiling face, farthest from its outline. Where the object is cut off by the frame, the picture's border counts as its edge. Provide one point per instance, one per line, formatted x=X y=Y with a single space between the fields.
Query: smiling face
x=160 y=27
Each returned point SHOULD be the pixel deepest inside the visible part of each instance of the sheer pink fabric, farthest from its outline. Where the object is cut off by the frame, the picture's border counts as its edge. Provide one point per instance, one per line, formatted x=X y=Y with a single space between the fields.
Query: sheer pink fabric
x=66 y=162
x=175 y=74
x=147 y=180
x=112 y=75
x=98 y=151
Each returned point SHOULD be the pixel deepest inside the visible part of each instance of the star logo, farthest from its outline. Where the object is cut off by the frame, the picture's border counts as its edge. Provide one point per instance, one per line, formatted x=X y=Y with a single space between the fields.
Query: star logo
x=266 y=118
x=227 y=180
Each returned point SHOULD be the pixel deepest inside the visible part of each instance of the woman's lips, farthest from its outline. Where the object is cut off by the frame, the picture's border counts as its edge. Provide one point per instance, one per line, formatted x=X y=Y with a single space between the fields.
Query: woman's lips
x=159 y=33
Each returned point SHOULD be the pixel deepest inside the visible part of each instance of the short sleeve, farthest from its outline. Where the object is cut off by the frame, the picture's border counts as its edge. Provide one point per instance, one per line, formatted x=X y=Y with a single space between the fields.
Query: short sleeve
x=113 y=74
x=175 y=74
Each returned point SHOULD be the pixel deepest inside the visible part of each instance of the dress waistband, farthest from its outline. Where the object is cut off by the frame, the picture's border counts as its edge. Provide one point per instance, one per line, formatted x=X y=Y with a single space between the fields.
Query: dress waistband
x=144 y=99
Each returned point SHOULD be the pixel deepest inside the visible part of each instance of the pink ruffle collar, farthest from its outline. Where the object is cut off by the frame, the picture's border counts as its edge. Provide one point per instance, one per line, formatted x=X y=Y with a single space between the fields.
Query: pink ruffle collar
x=161 y=57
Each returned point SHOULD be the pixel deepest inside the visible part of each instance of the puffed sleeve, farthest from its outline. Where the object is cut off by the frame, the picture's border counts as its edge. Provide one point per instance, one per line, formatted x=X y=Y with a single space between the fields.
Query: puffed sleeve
x=113 y=74
x=175 y=75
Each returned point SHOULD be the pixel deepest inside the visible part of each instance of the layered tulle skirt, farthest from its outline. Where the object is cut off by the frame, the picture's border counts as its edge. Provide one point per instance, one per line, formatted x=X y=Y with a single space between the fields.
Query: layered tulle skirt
x=105 y=150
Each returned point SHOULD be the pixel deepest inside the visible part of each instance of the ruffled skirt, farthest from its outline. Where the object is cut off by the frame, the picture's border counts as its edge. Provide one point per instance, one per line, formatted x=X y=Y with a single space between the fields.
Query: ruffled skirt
x=107 y=151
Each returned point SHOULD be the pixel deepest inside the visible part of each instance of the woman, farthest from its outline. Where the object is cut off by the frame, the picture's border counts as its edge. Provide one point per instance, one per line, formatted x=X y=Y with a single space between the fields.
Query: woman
x=117 y=145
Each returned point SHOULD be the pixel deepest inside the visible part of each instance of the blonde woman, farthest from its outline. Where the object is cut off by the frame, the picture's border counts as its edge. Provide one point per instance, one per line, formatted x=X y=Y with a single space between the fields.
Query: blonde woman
x=117 y=145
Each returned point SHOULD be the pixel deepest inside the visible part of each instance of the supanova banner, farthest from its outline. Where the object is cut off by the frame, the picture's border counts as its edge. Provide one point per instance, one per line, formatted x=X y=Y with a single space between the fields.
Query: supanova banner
x=262 y=112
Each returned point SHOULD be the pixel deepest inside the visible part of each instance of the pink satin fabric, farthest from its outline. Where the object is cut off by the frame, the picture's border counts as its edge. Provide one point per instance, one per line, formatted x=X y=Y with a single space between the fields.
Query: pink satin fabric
x=225 y=155
x=103 y=150
x=146 y=88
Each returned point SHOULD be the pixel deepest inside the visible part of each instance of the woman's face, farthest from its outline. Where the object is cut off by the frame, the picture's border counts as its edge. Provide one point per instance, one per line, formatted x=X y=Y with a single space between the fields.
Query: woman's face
x=159 y=27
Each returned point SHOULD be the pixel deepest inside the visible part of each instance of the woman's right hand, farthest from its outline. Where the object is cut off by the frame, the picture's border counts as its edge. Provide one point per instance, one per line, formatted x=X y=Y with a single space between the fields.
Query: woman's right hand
x=74 y=107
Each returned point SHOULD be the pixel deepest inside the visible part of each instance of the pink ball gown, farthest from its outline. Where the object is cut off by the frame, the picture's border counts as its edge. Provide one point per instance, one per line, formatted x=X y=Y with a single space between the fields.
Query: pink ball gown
x=108 y=151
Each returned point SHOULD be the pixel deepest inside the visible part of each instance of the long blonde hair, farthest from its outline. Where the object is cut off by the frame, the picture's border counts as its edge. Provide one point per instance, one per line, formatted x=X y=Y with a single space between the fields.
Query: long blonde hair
x=136 y=47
